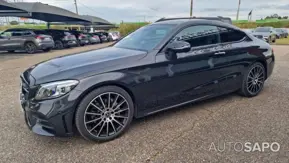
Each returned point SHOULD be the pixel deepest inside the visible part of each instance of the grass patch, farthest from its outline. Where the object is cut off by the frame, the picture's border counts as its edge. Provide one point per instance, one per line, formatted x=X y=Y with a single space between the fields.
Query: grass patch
x=283 y=41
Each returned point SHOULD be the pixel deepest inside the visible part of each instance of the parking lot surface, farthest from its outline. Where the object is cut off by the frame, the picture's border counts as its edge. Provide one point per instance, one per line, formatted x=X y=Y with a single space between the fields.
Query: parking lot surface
x=184 y=134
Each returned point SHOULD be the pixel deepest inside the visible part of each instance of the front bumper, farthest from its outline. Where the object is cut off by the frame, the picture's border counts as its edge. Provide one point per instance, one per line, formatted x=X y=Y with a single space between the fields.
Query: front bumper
x=51 y=117
x=270 y=65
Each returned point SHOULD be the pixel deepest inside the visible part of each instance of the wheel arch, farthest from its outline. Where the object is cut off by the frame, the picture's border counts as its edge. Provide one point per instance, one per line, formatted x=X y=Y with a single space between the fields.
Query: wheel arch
x=263 y=62
x=28 y=41
x=103 y=84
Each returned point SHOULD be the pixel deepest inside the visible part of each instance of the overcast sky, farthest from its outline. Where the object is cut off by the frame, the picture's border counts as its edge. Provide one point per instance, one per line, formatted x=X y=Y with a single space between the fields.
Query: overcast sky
x=139 y=10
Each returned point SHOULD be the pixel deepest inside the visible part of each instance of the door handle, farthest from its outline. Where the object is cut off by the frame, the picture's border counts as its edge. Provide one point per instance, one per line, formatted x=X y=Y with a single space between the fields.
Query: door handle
x=220 y=53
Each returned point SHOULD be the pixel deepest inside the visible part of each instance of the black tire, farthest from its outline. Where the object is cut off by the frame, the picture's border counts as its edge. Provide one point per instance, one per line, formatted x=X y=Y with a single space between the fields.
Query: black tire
x=30 y=47
x=92 y=116
x=58 y=45
x=47 y=49
x=274 y=40
x=251 y=81
x=11 y=51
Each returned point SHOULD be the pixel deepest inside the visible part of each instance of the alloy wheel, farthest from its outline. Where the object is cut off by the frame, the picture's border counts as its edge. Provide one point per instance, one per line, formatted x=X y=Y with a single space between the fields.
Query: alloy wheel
x=106 y=115
x=255 y=80
x=59 y=45
x=30 y=48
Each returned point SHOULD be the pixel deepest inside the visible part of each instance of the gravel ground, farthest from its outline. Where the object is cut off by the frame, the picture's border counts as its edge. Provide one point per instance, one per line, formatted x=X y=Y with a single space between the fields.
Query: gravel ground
x=184 y=134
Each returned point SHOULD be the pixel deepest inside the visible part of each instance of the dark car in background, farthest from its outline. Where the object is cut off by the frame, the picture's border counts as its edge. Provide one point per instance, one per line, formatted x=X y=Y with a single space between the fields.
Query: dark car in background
x=280 y=33
x=25 y=39
x=81 y=37
x=158 y=67
x=103 y=36
x=266 y=33
x=283 y=33
x=62 y=38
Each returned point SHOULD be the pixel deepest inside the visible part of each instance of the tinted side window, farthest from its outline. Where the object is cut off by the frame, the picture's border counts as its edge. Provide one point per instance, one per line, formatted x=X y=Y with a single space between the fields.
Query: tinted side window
x=230 y=35
x=16 y=33
x=27 y=33
x=199 y=35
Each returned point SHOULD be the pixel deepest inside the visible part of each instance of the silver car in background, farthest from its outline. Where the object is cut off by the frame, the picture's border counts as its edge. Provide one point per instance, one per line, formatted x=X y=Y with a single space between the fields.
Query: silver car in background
x=19 y=39
x=266 y=33
x=93 y=39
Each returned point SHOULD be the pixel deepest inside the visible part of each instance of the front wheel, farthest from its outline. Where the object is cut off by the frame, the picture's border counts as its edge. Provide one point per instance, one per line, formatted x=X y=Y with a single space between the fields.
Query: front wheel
x=253 y=80
x=104 y=114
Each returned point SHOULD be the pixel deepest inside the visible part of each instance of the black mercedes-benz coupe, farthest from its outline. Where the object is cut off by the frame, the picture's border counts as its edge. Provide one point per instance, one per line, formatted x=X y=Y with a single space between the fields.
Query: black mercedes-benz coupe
x=160 y=66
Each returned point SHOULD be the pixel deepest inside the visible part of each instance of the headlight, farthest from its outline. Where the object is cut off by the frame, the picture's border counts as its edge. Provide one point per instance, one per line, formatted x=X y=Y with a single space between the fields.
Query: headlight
x=55 y=89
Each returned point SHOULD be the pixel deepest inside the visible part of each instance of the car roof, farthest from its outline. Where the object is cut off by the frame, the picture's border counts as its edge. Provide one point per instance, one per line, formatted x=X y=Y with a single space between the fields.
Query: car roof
x=184 y=22
x=20 y=29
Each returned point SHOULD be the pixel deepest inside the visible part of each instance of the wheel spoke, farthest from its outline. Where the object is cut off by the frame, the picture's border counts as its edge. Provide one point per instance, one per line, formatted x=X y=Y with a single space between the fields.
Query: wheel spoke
x=107 y=128
x=119 y=111
x=114 y=103
x=118 y=122
x=91 y=113
x=119 y=105
x=108 y=102
x=260 y=78
x=96 y=107
x=102 y=103
x=120 y=116
x=250 y=86
x=255 y=88
x=93 y=120
x=95 y=126
x=251 y=73
x=101 y=128
x=250 y=77
x=111 y=122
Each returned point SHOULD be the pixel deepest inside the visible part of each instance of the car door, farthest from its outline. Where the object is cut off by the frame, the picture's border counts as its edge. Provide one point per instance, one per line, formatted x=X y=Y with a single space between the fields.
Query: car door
x=16 y=40
x=3 y=42
x=189 y=76
x=236 y=46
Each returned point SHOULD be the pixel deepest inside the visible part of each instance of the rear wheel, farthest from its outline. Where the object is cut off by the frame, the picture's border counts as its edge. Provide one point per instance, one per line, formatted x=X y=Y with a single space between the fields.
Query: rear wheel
x=253 y=80
x=104 y=114
x=30 y=47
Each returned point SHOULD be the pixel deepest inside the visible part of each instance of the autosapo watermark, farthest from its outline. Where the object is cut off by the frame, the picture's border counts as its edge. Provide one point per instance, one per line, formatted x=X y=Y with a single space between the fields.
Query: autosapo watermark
x=245 y=146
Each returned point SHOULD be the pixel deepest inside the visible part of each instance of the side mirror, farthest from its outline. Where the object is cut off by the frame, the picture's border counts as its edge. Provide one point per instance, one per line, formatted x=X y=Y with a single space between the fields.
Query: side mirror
x=179 y=47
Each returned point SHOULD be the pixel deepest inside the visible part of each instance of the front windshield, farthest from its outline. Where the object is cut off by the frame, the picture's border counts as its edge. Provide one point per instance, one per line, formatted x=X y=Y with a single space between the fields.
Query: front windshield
x=279 y=30
x=262 y=29
x=145 y=38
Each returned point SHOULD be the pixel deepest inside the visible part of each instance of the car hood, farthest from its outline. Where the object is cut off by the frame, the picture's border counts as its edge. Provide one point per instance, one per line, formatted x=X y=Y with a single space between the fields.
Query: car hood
x=262 y=33
x=78 y=66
